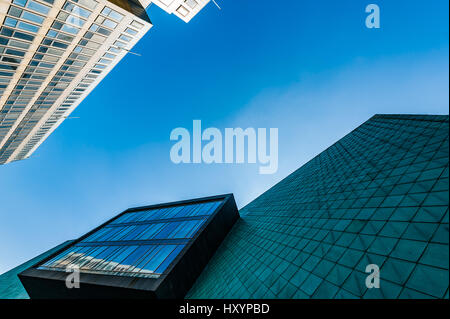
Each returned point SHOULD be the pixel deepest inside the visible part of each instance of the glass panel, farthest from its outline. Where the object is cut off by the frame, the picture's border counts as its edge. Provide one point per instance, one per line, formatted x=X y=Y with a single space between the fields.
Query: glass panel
x=169 y=259
x=157 y=259
x=38 y=7
x=145 y=237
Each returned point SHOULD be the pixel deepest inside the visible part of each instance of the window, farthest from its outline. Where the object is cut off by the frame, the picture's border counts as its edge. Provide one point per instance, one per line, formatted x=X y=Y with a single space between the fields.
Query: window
x=125 y=38
x=112 y=14
x=28 y=27
x=33 y=5
x=137 y=25
x=183 y=11
x=131 y=31
x=191 y=3
x=131 y=244
x=70 y=7
x=10 y=22
x=90 y=4
x=32 y=17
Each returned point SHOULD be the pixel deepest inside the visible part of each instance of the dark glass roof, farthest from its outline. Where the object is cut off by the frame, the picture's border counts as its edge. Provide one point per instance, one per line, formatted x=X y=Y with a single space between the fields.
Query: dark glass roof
x=138 y=243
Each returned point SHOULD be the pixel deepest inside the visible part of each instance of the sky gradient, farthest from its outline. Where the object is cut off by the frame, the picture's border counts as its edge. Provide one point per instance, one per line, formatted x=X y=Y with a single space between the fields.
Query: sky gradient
x=310 y=68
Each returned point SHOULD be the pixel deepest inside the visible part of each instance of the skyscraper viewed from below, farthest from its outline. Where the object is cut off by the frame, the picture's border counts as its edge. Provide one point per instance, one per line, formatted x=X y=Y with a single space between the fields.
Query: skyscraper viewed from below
x=379 y=196
x=53 y=53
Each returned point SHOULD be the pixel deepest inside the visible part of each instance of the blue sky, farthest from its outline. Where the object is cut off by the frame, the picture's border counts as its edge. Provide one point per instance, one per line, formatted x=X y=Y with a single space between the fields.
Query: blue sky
x=309 y=68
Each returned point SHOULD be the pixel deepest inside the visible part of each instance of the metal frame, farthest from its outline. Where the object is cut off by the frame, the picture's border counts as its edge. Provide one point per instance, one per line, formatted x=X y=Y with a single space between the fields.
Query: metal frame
x=175 y=281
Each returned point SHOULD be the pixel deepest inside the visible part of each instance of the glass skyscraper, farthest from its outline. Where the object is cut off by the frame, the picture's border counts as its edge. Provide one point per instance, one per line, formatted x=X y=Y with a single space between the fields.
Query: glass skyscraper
x=378 y=196
x=53 y=53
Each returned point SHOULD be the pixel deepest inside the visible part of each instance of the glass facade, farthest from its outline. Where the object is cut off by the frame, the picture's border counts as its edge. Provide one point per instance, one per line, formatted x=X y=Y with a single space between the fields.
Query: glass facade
x=378 y=196
x=139 y=244
x=47 y=66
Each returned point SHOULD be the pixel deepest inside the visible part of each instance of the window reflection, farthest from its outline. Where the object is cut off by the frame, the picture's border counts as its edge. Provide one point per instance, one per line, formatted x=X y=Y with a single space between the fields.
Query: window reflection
x=142 y=243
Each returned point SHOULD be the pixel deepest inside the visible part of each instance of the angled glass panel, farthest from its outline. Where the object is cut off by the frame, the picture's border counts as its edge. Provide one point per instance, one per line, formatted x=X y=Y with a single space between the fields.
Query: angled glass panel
x=141 y=243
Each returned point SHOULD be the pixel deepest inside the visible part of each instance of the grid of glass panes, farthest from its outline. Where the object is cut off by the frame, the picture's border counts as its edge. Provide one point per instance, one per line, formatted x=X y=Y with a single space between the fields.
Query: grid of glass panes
x=62 y=32
x=24 y=18
x=93 y=34
x=70 y=19
x=72 y=66
x=45 y=59
x=141 y=243
x=379 y=196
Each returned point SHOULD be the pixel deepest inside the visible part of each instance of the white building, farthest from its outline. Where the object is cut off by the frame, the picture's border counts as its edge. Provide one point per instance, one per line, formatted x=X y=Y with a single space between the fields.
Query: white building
x=184 y=9
x=54 y=52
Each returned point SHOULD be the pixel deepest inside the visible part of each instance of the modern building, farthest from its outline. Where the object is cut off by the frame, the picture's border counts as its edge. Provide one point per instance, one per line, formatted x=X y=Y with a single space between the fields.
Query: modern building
x=379 y=196
x=147 y=252
x=53 y=53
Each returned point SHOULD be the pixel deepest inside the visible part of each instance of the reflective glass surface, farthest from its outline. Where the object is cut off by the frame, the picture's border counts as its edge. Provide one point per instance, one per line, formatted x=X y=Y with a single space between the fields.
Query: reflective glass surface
x=378 y=196
x=49 y=86
x=141 y=243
